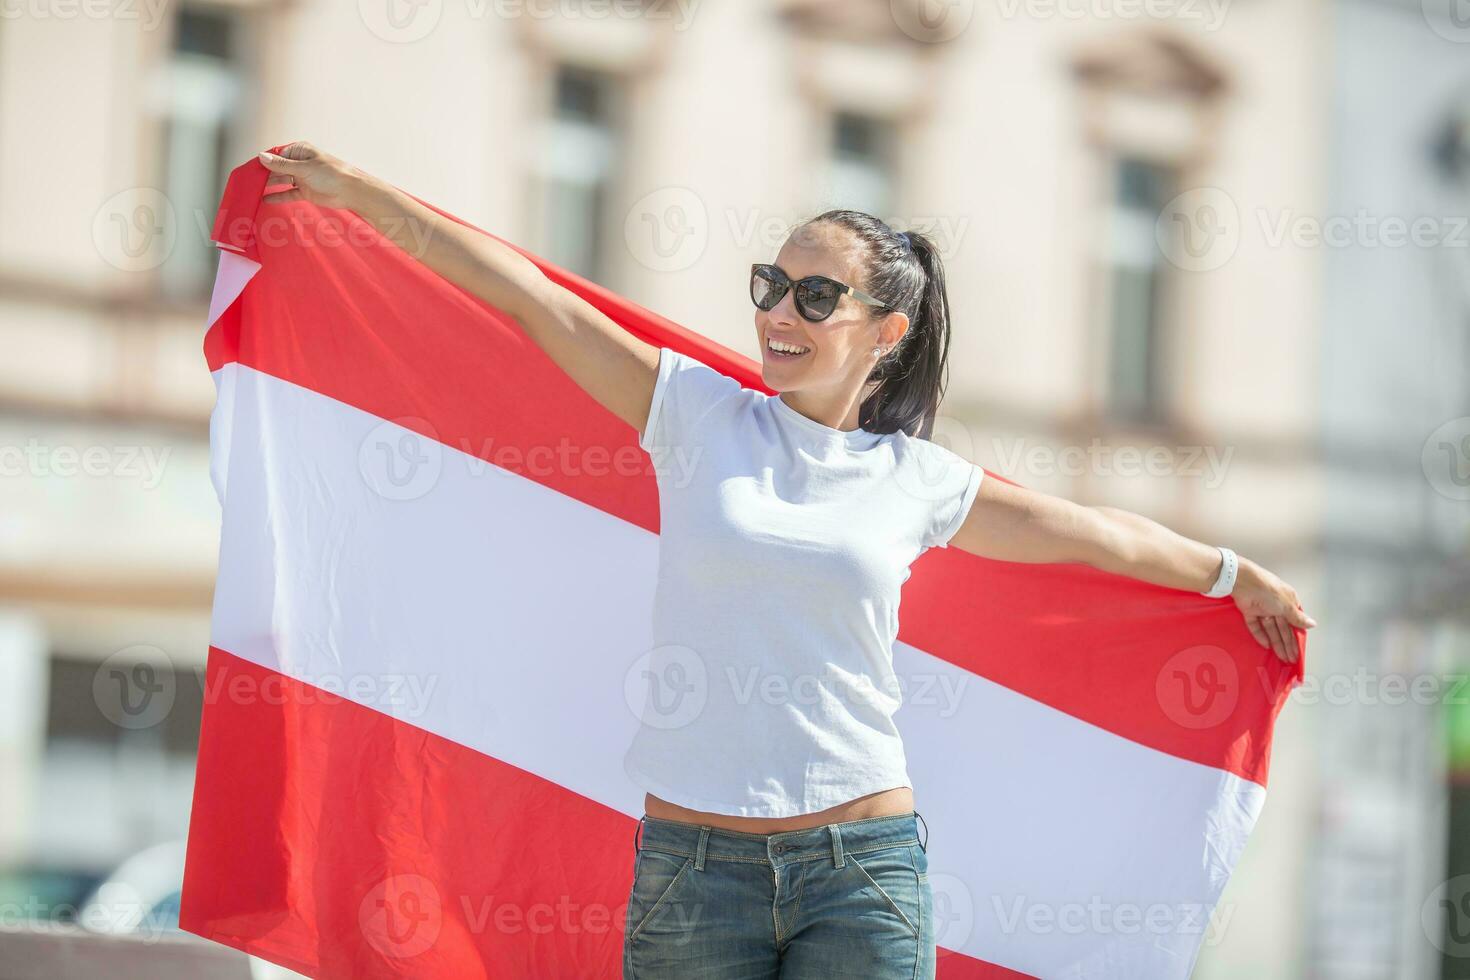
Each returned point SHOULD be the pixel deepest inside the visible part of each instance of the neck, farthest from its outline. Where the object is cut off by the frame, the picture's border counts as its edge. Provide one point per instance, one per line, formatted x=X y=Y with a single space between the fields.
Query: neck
x=836 y=410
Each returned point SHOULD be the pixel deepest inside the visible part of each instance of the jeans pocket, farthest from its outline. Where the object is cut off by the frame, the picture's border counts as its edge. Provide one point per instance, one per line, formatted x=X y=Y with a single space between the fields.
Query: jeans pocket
x=655 y=877
x=892 y=874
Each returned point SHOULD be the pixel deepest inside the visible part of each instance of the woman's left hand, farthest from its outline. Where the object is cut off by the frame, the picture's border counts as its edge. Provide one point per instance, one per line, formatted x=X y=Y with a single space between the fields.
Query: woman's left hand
x=1271 y=609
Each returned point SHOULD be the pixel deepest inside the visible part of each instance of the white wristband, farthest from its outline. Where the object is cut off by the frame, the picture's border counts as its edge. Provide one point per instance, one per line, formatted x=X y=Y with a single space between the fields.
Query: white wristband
x=1225 y=582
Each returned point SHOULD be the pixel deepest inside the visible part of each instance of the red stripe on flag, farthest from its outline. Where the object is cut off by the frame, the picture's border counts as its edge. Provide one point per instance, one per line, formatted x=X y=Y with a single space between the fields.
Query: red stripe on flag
x=296 y=854
x=465 y=875
x=1169 y=669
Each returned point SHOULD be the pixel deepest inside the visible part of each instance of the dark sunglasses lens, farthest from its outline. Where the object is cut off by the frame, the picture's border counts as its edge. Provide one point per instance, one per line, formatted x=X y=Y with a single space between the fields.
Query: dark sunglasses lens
x=816 y=298
x=766 y=288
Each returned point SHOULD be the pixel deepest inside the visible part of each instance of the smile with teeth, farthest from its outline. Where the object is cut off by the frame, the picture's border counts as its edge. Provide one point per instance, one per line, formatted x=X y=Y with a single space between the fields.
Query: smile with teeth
x=783 y=349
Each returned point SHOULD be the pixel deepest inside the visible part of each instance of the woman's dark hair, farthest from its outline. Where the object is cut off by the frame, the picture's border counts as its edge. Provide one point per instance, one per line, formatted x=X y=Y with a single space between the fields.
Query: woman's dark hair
x=904 y=270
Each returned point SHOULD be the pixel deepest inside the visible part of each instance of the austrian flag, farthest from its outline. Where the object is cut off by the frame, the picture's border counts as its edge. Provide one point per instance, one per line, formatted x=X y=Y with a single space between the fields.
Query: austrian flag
x=438 y=556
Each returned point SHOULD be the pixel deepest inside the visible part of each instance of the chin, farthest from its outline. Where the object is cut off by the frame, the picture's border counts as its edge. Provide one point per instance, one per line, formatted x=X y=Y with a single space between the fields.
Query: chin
x=775 y=380
x=781 y=377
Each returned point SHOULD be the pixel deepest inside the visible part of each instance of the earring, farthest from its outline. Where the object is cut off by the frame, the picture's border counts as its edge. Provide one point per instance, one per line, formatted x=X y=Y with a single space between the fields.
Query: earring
x=877 y=351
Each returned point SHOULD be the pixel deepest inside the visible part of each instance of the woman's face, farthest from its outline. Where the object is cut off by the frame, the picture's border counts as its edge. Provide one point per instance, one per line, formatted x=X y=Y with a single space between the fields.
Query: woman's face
x=834 y=352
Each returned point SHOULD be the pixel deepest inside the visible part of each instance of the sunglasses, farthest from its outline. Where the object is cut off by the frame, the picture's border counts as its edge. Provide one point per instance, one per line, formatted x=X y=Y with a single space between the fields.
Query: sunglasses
x=816 y=296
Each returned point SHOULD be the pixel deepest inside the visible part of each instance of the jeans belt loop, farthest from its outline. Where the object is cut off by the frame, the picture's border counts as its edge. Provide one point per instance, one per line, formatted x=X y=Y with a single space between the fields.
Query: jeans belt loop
x=923 y=844
x=838 y=859
x=699 y=851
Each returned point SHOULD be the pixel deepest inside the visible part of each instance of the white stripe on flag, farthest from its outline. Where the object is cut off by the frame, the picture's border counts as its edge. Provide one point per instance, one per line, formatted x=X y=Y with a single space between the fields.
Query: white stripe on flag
x=505 y=616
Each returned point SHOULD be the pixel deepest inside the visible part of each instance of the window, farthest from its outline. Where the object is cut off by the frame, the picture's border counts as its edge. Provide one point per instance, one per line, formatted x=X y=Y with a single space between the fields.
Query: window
x=118 y=767
x=1135 y=276
x=200 y=93
x=862 y=163
x=1148 y=103
x=85 y=703
x=578 y=168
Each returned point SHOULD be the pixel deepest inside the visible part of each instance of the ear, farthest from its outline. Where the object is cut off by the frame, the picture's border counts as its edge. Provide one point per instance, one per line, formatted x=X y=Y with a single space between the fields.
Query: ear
x=892 y=328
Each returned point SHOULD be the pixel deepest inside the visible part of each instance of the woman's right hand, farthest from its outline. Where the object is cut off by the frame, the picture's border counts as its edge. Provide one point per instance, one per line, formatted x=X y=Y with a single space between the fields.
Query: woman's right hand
x=611 y=364
x=319 y=178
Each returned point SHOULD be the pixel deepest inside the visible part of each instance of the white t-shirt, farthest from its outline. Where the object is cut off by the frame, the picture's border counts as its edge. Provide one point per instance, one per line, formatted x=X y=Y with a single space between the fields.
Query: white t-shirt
x=783 y=545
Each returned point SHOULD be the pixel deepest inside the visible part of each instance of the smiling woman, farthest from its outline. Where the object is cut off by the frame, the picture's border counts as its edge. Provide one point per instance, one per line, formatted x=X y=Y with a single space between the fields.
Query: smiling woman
x=782 y=838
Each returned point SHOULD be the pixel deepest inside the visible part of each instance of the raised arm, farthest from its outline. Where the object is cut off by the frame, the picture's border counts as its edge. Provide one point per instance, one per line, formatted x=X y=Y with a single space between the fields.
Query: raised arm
x=610 y=364
x=1013 y=523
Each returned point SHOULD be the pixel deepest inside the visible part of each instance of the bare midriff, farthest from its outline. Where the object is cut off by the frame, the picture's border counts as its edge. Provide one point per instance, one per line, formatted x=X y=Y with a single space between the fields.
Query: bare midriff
x=885 y=803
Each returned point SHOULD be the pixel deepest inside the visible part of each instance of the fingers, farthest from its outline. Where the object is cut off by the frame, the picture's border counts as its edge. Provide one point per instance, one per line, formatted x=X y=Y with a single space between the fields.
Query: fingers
x=1288 y=636
x=293 y=158
x=1253 y=624
x=1288 y=649
x=1272 y=625
x=1298 y=617
x=1296 y=646
x=1277 y=634
x=283 y=197
x=298 y=150
x=278 y=165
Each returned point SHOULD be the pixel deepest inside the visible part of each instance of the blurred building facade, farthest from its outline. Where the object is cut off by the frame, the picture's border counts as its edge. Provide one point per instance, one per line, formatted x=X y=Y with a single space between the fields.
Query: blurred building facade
x=1393 y=825
x=1124 y=194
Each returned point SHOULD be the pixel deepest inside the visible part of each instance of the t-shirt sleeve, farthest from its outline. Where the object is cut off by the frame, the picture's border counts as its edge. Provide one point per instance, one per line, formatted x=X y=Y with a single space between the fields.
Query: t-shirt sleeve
x=951 y=507
x=683 y=392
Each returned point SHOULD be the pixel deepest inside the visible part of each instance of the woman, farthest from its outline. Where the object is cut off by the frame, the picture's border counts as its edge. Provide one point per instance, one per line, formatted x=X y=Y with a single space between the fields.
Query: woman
x=780 y=836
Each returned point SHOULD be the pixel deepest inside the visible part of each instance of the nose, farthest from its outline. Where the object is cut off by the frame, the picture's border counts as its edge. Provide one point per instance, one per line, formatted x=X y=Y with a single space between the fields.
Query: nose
x=784 y=312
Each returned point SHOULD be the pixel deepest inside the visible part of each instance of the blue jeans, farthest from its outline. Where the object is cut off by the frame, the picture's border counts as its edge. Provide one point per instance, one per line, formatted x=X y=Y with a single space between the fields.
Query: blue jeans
x=849 y=899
